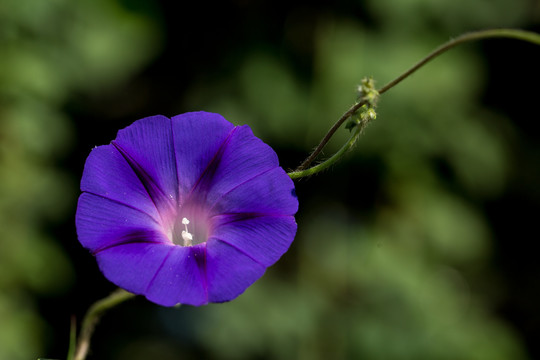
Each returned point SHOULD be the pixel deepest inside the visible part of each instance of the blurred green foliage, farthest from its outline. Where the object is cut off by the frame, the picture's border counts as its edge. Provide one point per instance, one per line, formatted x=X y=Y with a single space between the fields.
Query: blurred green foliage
x=49 y=50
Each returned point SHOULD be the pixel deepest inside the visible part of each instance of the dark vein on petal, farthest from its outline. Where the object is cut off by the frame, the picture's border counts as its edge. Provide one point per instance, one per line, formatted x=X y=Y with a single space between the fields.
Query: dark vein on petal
x=245 y=216
x=142 y=175
x=201 y=264
x=177 y=188
x=151 y=282
x=237 y=186
x=205 y=273
x=239 y=250
x=216 y=157
x=125 y=242
x=123 y=204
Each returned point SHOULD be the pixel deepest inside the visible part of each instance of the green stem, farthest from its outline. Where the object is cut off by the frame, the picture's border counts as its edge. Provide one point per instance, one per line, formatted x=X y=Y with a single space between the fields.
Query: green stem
x=329 y=162
x=523 y=35
x=328 y=136
x=72 y=339
x=90 y=320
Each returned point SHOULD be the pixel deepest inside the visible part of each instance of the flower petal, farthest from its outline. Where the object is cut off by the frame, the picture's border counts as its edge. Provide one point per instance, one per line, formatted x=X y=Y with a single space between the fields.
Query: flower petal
x=133 y=266
x=108 y=174
x=198 y=136
x=181 y=278
x=229 y=272
x=147 y=145
x=271 y=192
x=102 y=223
x=241 y=158
x=264 y=238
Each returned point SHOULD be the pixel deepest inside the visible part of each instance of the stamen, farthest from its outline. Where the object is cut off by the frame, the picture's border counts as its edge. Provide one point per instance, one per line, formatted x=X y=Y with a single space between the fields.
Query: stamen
x=186 y=235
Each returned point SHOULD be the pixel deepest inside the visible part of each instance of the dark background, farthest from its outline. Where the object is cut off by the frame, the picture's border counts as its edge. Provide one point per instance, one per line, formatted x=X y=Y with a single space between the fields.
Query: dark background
x=420 y=244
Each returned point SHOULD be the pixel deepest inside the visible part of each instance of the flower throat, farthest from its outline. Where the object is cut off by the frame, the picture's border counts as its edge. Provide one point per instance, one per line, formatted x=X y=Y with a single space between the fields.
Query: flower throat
x=189 y=231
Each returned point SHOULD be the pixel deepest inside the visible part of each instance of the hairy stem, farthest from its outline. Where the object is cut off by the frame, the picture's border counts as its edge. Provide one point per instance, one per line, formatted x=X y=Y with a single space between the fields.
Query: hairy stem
x=329 y=162
x=468 y=37
x=328 y=136
x=91 y=319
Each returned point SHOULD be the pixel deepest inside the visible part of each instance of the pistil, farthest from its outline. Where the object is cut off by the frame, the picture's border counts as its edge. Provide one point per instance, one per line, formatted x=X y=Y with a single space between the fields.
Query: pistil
x=186 y=235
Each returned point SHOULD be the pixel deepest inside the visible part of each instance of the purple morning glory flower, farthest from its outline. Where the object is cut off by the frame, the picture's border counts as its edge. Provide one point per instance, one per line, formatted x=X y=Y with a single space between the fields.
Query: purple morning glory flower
x=186 y=210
